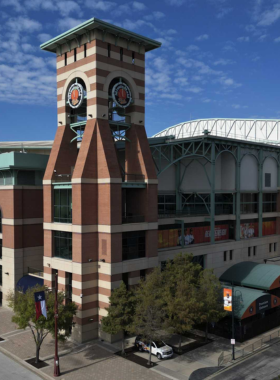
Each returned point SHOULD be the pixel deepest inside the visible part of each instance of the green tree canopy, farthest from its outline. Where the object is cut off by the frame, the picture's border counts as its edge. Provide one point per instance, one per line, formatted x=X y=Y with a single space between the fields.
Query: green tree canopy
x=120 y=312
x=23 y=305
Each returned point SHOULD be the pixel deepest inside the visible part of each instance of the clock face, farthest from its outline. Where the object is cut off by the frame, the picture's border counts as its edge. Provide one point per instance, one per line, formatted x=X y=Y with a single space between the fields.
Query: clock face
x=75 y=95
x=121 y=95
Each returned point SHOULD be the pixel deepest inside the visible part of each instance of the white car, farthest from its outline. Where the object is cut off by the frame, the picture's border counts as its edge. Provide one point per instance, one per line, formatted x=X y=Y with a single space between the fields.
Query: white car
x=159 y=348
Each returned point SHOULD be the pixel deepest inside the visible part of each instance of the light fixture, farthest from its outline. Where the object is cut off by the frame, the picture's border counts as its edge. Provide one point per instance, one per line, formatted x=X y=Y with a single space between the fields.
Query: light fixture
x=90 y=115
x=49 y=265
x=91 y=320
x=104 y=115
x=90 y=260
x=60 y=122
x=54 y=171
x=102 y=260
x=140 y=121
x=7 y=273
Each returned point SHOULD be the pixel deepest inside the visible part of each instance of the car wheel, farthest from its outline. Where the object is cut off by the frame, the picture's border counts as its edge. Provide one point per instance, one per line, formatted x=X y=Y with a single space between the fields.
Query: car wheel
x=159 y=356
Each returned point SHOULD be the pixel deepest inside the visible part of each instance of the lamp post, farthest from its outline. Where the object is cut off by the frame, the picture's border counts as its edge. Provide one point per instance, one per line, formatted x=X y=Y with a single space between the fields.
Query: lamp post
x=233 y=337
x=56 y=372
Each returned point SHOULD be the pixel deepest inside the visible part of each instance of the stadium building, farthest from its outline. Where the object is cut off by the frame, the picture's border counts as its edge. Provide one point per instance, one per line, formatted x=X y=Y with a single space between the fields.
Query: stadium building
x=103 y=203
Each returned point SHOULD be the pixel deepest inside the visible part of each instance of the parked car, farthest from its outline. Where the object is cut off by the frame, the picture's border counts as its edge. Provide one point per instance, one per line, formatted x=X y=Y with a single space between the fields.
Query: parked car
x=159 y=348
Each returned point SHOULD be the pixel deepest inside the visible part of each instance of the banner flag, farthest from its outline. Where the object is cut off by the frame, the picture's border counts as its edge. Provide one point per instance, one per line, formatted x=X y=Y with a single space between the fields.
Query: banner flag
x=40 y=304
x=228 y=299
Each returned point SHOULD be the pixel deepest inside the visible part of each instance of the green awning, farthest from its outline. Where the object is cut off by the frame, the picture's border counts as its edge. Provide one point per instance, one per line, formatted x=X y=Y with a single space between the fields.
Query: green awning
x=248 y=302
x=253 y=275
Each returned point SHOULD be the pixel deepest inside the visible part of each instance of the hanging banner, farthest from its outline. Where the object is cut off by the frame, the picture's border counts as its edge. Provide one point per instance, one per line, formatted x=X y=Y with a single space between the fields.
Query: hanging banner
x=227 y=299
x=250 y=230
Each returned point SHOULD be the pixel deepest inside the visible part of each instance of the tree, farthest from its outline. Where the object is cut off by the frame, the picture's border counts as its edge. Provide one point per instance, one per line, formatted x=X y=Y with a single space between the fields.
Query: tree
x=181 y=280
x=120 y=312
x=210 y=294
x=150 y=310
x=23 y=305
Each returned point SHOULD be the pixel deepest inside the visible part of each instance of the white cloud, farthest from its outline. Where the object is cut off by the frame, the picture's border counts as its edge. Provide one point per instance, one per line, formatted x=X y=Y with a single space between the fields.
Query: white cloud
x=69 y=23
x=28 y=48
x=23 y=24
x=223 y=12
x=13 y=3
x=277 y=39
x=243 y=39
x=238 y=106
x=255 y=59
x=223 y=62
x=262 y=37
x=203 y=37
x=154 y=16
x=195 y=90
x=269 y=16
x=175 y=2
x=43 y=37
x=100 y=5
x=67 y=7
x=138 y=6
x=171 y=96
x=192 y=48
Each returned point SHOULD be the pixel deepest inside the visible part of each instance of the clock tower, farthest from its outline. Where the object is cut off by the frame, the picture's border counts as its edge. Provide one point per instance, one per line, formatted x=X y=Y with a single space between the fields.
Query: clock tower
x=100 y=185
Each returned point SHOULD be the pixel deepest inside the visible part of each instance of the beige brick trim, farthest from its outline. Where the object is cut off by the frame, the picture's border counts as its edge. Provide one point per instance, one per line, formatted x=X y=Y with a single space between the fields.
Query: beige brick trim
x=110 y=229
x=85 y=285
x=84 y=299
x=99 y=180
x=87 y=313
x=18 y=187
x=20 y=222
x=70 y=266
x=103 y=298
x=103 y=312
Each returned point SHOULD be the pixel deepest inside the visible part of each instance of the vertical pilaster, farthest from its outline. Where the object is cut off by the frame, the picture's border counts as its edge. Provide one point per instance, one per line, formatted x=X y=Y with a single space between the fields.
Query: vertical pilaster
x=212 y=195
x=237 y=196
x=260 y=200
x=178 y=180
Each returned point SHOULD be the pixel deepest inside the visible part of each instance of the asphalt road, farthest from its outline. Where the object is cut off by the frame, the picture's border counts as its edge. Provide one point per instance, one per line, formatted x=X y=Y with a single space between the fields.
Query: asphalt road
x=10 y=370
x=263 y=366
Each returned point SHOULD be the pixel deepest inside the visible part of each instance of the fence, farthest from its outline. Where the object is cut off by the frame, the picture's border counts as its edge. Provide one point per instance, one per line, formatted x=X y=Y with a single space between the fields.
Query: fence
x=247 y=350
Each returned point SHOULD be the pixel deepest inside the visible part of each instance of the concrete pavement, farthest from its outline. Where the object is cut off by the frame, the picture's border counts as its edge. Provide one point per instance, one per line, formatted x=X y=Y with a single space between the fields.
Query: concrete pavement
x=11 y=370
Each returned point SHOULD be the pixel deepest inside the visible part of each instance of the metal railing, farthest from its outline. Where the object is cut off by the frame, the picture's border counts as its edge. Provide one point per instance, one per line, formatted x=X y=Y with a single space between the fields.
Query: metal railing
x=35 y=271
x=248 y=350
x=62 y=177
x=133 y=219
x=130 y=177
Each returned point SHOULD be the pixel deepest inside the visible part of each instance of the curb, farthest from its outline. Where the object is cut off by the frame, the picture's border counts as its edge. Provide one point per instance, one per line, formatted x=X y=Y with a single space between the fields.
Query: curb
x=26 y=365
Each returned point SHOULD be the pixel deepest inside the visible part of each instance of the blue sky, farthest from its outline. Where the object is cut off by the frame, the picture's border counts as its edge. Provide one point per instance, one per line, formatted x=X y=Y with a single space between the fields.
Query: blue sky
x=219 y=58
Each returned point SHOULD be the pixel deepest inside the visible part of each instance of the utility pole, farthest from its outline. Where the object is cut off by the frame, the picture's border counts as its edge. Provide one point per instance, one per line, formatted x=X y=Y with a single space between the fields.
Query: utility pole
x=232 y=313
x=56 y=372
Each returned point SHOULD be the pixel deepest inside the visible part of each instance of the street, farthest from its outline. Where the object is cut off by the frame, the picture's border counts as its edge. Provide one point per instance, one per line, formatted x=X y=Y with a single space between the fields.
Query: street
x=11 y=370
x=263 y=366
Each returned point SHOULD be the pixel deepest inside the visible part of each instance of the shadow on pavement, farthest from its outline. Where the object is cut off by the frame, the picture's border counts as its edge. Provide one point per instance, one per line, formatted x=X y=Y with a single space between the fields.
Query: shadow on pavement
x=203 y=373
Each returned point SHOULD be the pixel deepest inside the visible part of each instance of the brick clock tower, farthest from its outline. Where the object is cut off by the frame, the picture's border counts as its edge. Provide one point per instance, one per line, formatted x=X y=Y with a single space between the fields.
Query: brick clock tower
x=100 y=185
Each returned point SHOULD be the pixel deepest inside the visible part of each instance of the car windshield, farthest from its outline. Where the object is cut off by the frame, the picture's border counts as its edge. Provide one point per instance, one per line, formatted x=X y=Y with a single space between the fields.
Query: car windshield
x=160 y=344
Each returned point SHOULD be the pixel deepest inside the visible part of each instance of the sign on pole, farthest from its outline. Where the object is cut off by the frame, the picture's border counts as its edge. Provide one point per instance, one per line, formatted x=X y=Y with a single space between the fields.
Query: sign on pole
x=227 y=299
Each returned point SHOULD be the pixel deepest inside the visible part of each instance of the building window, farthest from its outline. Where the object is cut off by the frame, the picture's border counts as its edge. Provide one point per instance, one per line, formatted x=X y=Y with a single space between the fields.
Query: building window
x=125 y=279
x=133 y=57
x=121 y=54
x=167 y=204
x=0 y=221
x=65 y=59
x=275 y=247
x=63 y=205
x=69 y=286
x=269 y=202
x=133 y=245
x=270 y=247
x=143 y=274
x=63 y=245
x=109 y=50
x=230 y=254
x=267 y=180
x=248 y=203
x=85 y=50
x=255 y=251
x=249 y=251
x=75 y=55
x=0 y=274
x=225 y=255
x=0 y=248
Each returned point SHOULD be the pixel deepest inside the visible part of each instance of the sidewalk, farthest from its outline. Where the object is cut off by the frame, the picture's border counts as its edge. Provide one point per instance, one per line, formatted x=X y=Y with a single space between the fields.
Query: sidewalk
x=96 y=359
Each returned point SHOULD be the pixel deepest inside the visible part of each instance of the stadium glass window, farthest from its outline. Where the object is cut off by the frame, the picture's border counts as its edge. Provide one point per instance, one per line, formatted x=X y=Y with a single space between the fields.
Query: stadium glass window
x=248 y=203
x=0 y=274
x=62 y=206
x=109 y=50
x=143 y=274
x=75 y=55
x=267 y=180
x=125 y=279
x=270 y=247
x=65 y=59
x=225 y=255
x=249 y=251
x=230 y=254
x=121 y=54
x=196 y=204
x=269 y=202
x=133 y=245
x=255 y=251
x=223 y=204
x=85 y=50
x=133 y=57
x=167 y=204
x=275 y=247
x=63 y=245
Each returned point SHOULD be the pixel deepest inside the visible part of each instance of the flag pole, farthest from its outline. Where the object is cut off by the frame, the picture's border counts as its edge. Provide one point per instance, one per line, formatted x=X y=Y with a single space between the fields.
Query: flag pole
x=56 y=358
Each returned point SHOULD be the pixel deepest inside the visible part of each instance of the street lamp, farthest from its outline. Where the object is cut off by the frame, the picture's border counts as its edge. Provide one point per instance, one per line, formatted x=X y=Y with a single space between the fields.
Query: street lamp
x=232 y=313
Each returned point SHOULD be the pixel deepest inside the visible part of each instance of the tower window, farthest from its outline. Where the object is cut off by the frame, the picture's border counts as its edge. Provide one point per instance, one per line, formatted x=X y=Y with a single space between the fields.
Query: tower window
x=249 y=251
x=133 y=57
x=121 y=54
x=109 y=50
x=65 y=59
x=75 y=55
x=267 y=180
x=225 y=255
x=230 y=254
x=85 y=50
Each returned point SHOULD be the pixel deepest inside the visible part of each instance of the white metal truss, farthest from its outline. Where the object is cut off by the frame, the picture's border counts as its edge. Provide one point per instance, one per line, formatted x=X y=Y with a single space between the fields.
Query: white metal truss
x=258 y=130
